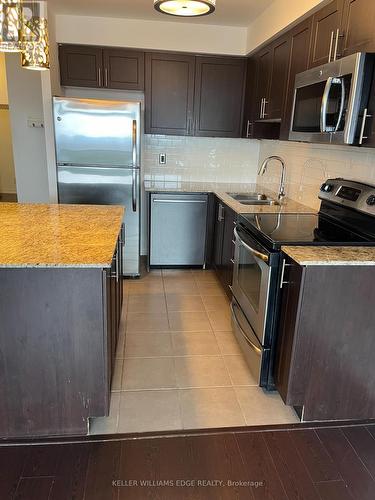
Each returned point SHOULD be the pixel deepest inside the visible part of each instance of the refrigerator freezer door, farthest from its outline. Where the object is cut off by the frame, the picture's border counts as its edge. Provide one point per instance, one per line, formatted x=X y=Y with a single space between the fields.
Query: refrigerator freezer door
x=107 y=186
x=96 y=132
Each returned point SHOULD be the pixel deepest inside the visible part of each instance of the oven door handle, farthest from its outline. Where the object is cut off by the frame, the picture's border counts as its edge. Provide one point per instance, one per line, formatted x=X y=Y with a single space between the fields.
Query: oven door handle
x=260 y=255
x=323 y=108
x=247 y=340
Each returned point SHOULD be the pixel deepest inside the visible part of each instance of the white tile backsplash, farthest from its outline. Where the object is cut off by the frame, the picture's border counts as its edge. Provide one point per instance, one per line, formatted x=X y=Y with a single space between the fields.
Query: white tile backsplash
x=309 y=165
x=200 y=159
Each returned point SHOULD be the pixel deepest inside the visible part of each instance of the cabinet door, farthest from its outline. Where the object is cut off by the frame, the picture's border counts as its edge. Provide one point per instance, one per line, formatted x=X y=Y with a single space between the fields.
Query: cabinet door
x=228 y=250
x=300 y=38
x=326 y=26
x=81 y=66
x=274 y=106
x=250 y=95
x=169 y=93
x=124 y=69
x=264 y=69
x=358 y=27
x=219 y=95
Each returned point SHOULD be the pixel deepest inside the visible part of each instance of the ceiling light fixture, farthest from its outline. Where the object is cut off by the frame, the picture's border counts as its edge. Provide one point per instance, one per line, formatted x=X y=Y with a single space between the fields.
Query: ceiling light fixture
x=185 y=8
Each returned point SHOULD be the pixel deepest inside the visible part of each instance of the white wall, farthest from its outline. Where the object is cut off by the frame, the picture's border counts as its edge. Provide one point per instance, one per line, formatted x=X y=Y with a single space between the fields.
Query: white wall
x=276 y=18
x=309 y=165
x=151 y=34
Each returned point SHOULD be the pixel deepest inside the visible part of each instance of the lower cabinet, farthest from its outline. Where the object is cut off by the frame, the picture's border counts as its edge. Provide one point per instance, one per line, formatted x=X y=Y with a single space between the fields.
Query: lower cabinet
x=223 y=244
x=326 y=341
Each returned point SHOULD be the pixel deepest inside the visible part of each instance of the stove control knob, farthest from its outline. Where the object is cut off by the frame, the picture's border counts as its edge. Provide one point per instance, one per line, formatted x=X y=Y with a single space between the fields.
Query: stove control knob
x=327 y=188
x=371 y=200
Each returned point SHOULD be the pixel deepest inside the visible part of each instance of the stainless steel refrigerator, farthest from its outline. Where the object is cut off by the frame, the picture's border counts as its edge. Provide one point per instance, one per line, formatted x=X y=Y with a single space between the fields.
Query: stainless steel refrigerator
x=98 y=161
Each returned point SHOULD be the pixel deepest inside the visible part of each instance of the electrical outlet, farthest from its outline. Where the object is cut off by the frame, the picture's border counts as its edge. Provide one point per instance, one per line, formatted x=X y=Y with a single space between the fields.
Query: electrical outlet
x=162 y=159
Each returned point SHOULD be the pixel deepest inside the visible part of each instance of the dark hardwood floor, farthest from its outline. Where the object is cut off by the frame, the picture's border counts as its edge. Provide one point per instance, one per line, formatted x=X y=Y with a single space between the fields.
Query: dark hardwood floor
x=326 y=463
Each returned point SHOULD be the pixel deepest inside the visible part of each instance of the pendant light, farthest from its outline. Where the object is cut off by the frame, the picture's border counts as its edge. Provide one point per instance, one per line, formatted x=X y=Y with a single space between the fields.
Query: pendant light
x=185 y=8
x=10 y=25
x=35 y=45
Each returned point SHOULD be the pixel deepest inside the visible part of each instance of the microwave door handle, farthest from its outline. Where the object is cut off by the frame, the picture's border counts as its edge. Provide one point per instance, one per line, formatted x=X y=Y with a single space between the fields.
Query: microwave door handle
x=257 y=254
x=324 y=106
x=342 y=104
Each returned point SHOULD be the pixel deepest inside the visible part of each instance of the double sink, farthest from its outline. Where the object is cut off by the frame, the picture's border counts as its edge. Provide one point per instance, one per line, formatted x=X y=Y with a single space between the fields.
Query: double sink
x=253 y=199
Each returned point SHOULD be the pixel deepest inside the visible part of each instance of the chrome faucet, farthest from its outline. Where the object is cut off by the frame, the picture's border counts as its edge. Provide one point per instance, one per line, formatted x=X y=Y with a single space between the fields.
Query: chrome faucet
x=263 y=170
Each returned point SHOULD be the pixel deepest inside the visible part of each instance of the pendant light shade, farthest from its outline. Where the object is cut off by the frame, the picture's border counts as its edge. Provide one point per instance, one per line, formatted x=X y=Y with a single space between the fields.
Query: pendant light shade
x=185 y=8
x=35 y=52
x=10 y=25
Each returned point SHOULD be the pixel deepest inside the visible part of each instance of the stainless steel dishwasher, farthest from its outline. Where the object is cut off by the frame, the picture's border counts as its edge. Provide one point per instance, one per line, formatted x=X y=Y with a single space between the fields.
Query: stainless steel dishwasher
x=178 y=229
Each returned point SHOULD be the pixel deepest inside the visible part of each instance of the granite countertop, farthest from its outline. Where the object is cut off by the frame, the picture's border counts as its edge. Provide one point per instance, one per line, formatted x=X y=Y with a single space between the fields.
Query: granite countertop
x=331 y=256
x=58 y=235
x=221 y=190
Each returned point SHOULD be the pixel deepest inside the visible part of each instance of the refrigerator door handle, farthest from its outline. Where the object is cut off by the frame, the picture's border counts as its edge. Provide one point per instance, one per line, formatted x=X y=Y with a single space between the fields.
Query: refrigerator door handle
x=134 y=190
x=134 y=138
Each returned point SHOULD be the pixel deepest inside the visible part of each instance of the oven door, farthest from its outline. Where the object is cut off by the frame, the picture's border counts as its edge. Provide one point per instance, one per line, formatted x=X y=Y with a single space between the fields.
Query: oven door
x=251 y=280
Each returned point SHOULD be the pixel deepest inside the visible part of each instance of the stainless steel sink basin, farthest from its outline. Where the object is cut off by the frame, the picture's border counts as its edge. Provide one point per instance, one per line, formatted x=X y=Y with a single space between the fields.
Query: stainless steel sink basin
x=253 y=199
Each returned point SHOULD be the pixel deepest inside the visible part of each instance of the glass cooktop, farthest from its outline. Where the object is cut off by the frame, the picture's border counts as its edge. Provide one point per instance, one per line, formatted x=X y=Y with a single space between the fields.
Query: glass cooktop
x=299 y=229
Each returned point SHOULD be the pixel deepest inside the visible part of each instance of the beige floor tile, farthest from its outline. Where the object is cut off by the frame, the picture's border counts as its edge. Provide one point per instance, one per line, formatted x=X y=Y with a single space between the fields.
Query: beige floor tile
x=140 y=345
x=210 y=289
x=147 y=322
x=107 y=425
x=228 y=343
x=147 y=411
x=205 y=276
x=205 y=408
x=191 y=344
x=189 y=322
x=221 y=321
x=239 y=371
x=181 y=287
x=176 y=273
x=120 y=350
x=216 y=303
x=201 y=371
x=117 y=375
x=187 y=303
x=147 y=303
x=140 y=288
x=264 y=408
x=148 y=373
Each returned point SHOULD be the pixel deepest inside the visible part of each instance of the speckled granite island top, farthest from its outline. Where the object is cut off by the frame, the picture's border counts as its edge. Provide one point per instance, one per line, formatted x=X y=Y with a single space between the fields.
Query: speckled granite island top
x=58 y=235
x=221 y=190
x=331 y=256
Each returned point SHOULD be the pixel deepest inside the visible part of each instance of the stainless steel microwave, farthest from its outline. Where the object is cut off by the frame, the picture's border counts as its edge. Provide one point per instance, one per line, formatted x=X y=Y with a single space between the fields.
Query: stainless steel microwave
x=330 y=101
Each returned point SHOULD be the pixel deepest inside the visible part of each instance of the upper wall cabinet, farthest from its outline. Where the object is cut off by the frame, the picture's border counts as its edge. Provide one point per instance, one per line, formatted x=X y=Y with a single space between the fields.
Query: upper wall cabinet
x=187 y=95
x=219 y=94
x=169 y=95
x=279 y=79
x=358 y=26
x=81 y=66
x=326 y=34
x=95 y=67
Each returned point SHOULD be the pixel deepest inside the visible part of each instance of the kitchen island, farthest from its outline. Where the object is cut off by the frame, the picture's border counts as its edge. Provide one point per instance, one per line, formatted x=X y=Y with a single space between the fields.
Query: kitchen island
x=60 y=304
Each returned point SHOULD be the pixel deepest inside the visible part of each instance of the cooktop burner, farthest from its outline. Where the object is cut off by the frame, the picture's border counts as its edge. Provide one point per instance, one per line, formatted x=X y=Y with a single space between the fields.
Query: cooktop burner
x=299 y=229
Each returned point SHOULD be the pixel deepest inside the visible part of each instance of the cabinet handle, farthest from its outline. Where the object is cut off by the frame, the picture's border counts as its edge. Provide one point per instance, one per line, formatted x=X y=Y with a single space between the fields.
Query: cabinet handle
x=100 y=76
x=249 y=126
x=335 y=54
x=220 y=216
x=264 y=108
x=282 y=282
x=361 y=135
x=106 y=77
x=331 y=46
x=261 y=108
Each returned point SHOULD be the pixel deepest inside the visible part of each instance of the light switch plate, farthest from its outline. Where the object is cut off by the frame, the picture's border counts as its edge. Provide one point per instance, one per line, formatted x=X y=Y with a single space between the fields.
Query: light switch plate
x=162 y=159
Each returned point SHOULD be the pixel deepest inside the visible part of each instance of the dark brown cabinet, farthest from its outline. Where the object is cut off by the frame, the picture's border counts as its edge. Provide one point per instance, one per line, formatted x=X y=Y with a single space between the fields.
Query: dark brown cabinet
x=219 y=94
x=358 y=33
x=300 y=38
x=264 y=71
x=326 y=34
x=124 y=69
x=169 y=94
x=223 y=244
x=274 y=106
x=81 y=66
x=95 y=67
x=325 y=349
x=183 y=92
